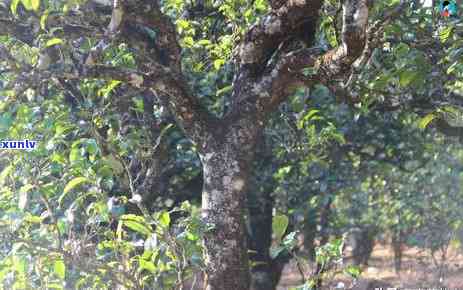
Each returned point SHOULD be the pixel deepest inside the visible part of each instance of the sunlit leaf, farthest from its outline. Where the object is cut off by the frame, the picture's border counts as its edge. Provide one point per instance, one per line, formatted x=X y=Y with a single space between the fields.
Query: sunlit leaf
x=60 y=269
x=164 y=219
x=279 y=226
x=53 y=41
x=137 y=227
x=43 y=19
x=147 y=265
x=444 y=35
x=35 y=5
x=14 y=6
x=74 y=183
x=71 y=185
x=426 y=120
x=353 y=271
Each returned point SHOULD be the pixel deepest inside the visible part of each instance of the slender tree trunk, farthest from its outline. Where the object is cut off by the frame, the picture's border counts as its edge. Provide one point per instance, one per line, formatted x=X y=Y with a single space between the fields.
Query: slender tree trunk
x=260 y=239
x=397 y=240
x=365 y=242
x=310 y=232
x=266 y=272
x=324 y=238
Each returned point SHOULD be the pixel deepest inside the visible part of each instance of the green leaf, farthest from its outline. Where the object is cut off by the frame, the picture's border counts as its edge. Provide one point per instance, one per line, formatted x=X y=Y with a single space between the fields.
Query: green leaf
x=393 y=2
x=74 y=183
x=218 y=63
x=19 y=264
x=55 y=286
x=53 y=41
x=164 y=219
x=108 y=88
x=71 y=185
x=74 y=155
x=353 y=271
x=60 y=269
x=33 y=219
x=35 y=5
x=401 y=50
x=426 y=120
x=444 y=35
x=133 y=217
x=136 y=223
x=147 y=265
x=279 y=226
x=406 y=77
x=43 y=19
x=137 y=227
x=224 y=90
x=204 y=42
x=14 y=7
x=139 y=105
x=312 y=115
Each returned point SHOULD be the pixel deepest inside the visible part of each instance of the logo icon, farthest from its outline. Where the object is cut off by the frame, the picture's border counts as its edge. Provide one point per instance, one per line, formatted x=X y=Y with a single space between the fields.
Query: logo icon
x=448 y=8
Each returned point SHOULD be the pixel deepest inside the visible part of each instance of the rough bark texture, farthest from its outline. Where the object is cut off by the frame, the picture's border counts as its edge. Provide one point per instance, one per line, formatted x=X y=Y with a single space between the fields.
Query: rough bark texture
x=226 y=250
x=226 y=167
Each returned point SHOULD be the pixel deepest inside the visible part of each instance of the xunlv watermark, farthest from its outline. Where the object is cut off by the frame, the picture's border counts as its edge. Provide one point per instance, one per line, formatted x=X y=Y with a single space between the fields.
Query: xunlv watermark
x=18 y=144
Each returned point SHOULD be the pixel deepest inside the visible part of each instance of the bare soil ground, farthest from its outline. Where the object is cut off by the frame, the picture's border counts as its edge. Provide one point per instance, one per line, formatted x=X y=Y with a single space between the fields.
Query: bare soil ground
x=418 y=271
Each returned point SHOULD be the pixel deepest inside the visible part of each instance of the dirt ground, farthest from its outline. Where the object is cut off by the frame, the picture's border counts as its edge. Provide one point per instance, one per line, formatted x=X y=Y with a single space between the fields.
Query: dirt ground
x=418 y=271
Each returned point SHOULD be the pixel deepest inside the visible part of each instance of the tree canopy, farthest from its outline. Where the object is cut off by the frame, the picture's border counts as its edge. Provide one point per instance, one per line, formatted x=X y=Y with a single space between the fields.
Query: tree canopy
x=176 y=138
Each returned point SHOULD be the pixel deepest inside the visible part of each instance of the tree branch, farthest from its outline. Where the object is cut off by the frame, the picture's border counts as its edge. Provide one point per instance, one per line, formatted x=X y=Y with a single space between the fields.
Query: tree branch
x=160 y=61
x=27 y=30
x=280 y=81
x=294 y=19
x=158 y=58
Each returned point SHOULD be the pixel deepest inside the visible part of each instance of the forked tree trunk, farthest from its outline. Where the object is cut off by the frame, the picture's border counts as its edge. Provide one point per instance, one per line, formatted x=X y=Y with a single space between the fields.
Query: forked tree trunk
x=226 y=169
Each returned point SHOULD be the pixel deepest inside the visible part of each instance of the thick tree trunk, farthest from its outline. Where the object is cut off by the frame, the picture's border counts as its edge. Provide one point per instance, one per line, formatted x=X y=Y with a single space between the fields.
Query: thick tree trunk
x=226 y=169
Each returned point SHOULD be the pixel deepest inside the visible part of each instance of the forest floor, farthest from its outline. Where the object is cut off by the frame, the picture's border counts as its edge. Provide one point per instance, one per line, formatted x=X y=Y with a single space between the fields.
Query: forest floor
x=418 y=271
